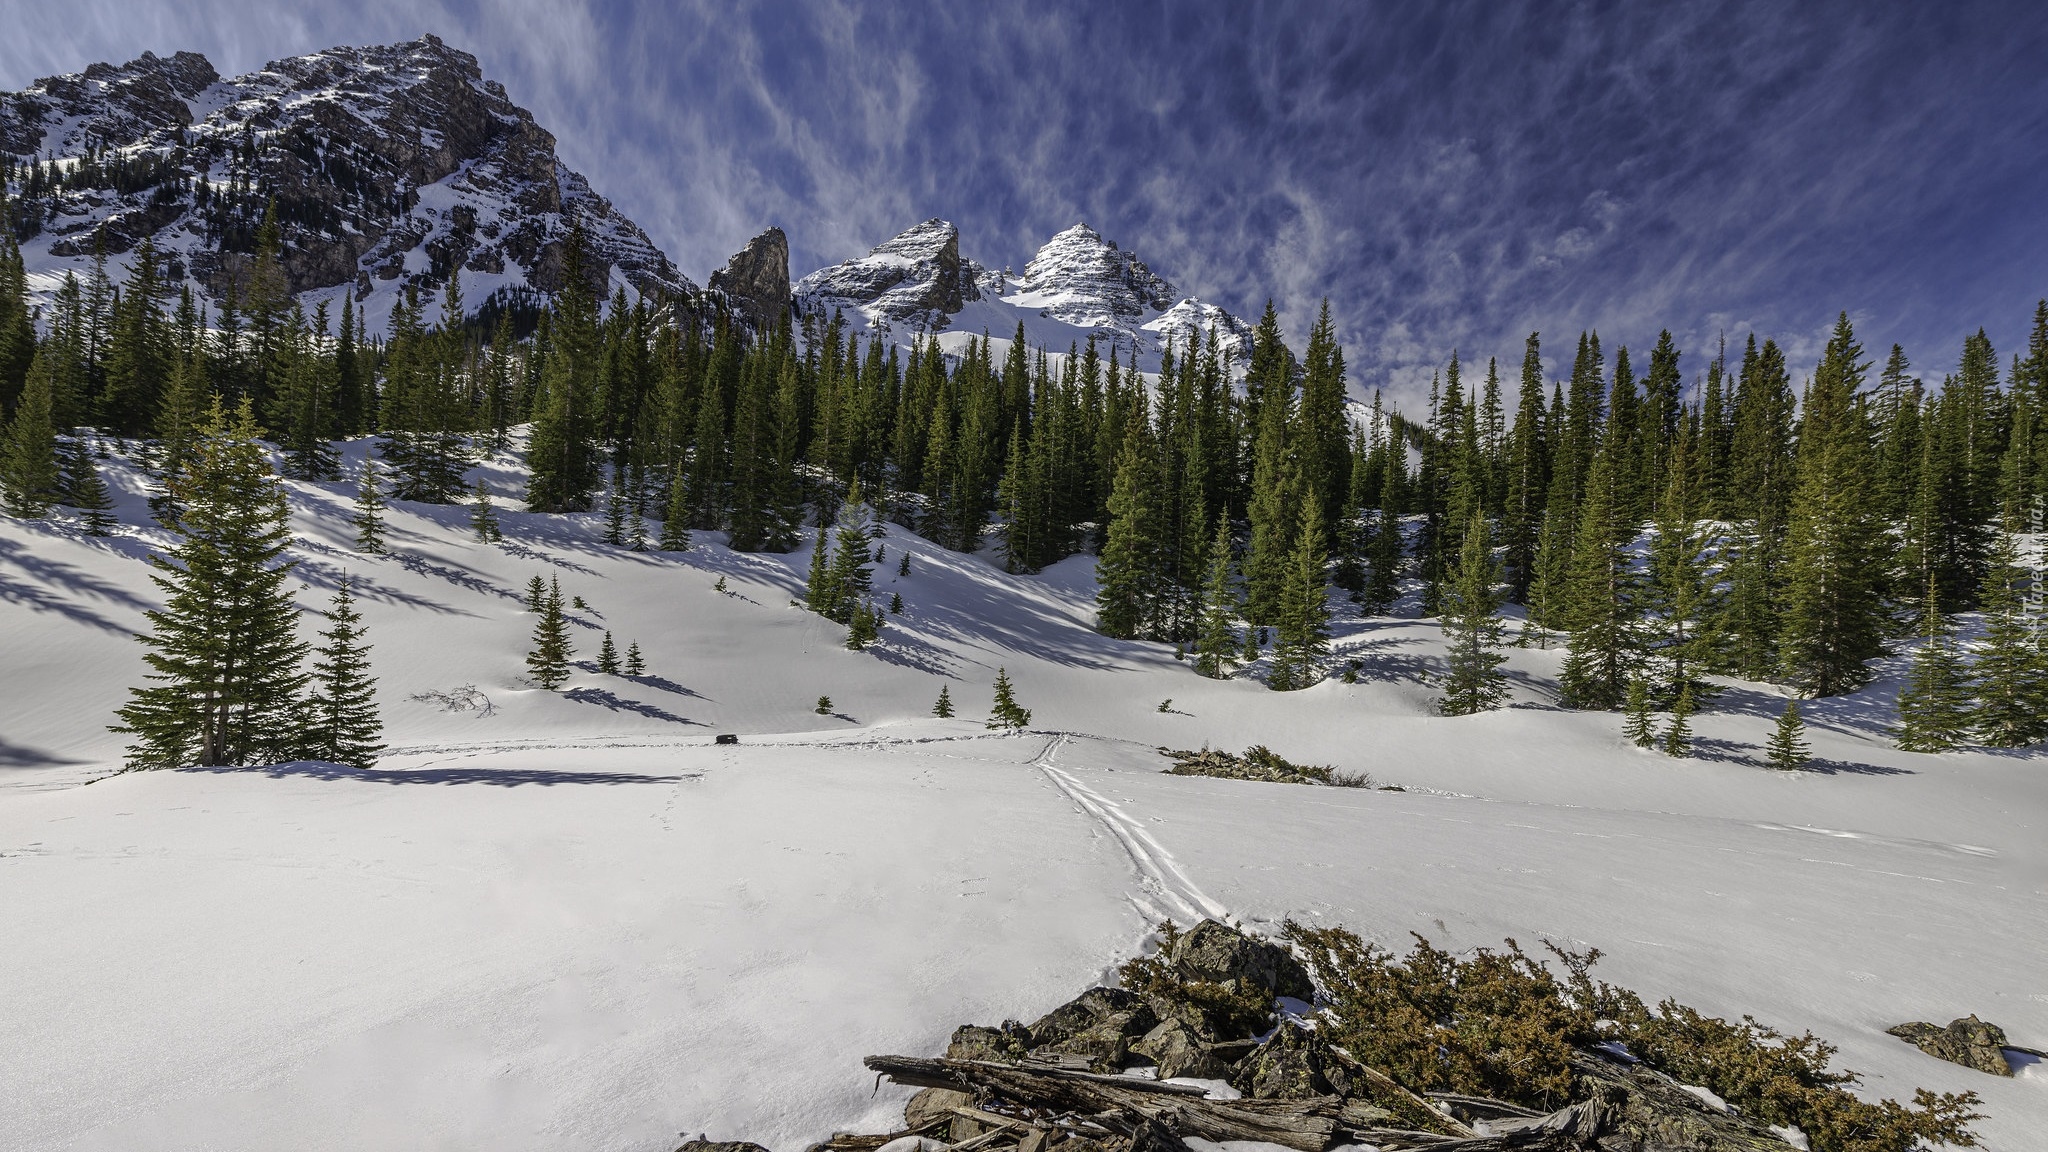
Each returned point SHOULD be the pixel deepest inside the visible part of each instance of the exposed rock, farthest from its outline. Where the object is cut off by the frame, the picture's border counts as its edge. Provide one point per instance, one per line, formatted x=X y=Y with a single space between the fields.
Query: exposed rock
x=1178 y=1051
x=972 y=1042
x=1969 y=1041
x=1222 y=955
x=1098 y=1026
x=756 y=279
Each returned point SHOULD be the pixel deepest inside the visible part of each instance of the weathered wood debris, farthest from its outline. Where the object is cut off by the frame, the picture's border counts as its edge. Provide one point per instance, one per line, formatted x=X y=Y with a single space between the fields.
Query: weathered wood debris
x=1112 y=1071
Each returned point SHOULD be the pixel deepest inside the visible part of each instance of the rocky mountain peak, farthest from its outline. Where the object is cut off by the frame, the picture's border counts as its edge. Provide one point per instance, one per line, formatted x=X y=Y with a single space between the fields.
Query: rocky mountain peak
x=1082 y=279
x=391 y=167
x=916 y=279
x=756 y=279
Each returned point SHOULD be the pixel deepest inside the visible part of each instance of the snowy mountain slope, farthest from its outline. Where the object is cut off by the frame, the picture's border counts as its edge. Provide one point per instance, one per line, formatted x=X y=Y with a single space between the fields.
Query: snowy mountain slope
x=573 y=921
x=1078 y=285
x=390 y=167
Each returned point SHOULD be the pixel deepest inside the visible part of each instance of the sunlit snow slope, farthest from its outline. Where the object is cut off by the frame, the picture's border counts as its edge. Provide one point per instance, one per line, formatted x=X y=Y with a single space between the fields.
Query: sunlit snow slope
x=573 y=921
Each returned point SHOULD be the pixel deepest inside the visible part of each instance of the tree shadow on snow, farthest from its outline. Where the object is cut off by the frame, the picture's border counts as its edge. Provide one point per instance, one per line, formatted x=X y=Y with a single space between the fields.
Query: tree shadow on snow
x=665 y=684
x=613 y=702
x=496 y=777
x=1734 y=752
x=46 y=573
x=22 y=756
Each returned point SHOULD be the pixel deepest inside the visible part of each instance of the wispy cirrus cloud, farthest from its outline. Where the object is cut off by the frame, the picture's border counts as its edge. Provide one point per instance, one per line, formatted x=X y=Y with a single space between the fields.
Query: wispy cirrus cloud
x=1449 y=175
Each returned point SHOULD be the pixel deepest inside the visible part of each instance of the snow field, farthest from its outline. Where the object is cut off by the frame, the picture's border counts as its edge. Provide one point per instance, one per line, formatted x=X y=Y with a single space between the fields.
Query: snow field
x=575 y=921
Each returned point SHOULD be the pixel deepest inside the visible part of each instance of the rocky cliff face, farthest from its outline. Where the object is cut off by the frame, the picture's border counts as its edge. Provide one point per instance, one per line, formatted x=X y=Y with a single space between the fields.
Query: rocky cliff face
x=916 y=282
x=756 y=280
x=390 y=168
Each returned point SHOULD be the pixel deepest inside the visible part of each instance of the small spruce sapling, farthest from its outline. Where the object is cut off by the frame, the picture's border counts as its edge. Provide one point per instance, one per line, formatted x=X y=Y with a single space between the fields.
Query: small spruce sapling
x=824 y=706
x=636 y=665
x=483 y=516
x=608 y=656
x=548 y=662
x=903 y=565
x=1678 y=738
x=84 y=489
x=536 y=594
x=944 y=708
x=343 y=722
x=369 y=517
x=864 y=627
x=1787 y=745
x=895 y=603
x=1637 y=727
x=1006 y=713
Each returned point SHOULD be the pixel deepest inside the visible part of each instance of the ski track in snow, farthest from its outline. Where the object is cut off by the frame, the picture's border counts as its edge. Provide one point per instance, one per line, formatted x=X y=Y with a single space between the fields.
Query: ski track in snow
x=1159 y=874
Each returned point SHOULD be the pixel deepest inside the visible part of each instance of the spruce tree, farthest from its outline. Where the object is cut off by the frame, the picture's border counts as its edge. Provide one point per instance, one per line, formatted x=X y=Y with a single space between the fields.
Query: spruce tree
x=819 y=593
x=483 y=516
x=608 y=656
x=343 y=725
x=1935 y=704
x=29 y=478
x=369 y=515
x=1600 y=608
x=636 y=664
x=1786 y=749
x=2012 y=680
x=1005 y=712
x=224 y=651
x=1835 y=616
x=1680 y=590
x=847 y=579
x=1472 y=632
x=1126 y=573
x=675 y=522
x=1217 y=645
x=1304 y=610
x=1678 y=737
x=548 y=662
x=895 y=603
x=1637 y=725
x=944 y=708
x=83 y=487
x=566 y=468
x=863 y=626
x=1383 y=555
x=616 y=508
x=536 y=594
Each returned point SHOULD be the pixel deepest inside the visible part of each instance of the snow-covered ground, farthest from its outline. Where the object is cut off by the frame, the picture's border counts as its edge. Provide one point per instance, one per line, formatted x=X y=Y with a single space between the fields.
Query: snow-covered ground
x=573 y=921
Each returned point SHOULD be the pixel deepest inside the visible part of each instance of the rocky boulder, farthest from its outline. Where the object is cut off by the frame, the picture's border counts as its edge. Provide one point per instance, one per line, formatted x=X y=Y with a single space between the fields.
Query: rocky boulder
x=1969 y=1041
x=1212 y=952
x=1178 y=1050
x=1097 y=1026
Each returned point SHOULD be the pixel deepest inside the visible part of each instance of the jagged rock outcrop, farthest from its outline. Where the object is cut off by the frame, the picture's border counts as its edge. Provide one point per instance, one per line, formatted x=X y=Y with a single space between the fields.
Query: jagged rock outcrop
x=390 y=167
x=63 y=115
x=916 y=280
x=756 y=279
x=1971 y=1042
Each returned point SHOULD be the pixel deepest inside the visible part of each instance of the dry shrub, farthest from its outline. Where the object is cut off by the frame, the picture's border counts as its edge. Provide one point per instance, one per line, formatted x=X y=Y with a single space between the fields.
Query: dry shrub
x=1502 y=1024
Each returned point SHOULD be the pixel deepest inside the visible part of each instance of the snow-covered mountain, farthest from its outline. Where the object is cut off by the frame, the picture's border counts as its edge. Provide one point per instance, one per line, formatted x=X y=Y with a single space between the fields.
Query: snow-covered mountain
x=915 y=282
x=1077 y=285
x=390 y=167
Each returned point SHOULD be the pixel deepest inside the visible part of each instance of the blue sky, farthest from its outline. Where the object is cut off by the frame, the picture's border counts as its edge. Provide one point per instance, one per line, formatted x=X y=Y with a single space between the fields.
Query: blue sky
x=1449 y=175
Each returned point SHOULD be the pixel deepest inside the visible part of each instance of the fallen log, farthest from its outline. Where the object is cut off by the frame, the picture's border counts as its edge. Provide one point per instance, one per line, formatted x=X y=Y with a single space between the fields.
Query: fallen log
x=1305 y=1125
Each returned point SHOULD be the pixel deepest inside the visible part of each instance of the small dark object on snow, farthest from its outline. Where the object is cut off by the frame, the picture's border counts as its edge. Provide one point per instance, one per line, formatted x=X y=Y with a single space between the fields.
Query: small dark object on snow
x=1969 y=1041
x=726 y=738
